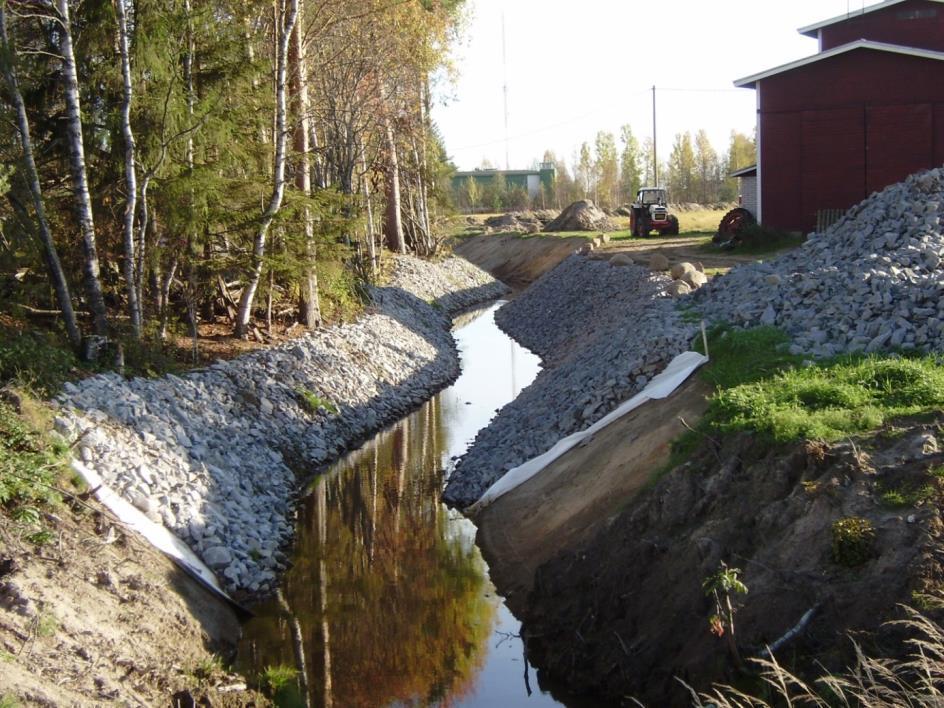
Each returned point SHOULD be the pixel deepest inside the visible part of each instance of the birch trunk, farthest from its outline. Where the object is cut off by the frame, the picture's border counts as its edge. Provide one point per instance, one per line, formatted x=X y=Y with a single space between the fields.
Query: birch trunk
x=131 y=176
x=290 y=14
x=393 y=224
x=371 y=246
x=309 y=310
x=80 y=190
x=192 y=287
x=50 y=253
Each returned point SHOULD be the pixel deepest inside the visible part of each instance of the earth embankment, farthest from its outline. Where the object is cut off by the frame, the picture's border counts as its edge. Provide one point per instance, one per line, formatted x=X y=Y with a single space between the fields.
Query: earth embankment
x=516 y=259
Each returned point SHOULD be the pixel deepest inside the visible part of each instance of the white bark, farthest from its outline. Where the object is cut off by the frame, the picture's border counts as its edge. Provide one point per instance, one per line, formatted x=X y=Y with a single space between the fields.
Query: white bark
x=394 y=222
x=80 y=190
x=56 y=274
x=310 y=307
x=290 y=14
x=131 y=176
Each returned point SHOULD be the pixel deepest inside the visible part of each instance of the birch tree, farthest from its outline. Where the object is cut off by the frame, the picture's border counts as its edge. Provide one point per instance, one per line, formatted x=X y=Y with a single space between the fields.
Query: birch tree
x=131 y=177
x=309 y=306
x=56 y=273
x=80 y=189
x=287 y=14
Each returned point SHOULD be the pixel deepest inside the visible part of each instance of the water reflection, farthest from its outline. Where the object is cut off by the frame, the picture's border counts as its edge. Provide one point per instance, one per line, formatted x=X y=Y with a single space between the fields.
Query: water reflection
x=389 y=601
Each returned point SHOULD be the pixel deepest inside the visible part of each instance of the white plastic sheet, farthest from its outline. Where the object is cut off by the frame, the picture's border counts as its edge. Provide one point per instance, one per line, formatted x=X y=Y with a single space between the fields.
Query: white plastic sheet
x=662 y=386
x=156 y=534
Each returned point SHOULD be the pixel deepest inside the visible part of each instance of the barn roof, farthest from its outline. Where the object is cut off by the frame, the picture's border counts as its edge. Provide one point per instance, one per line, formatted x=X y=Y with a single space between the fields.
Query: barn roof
x=744 y=172
x=751 y=81
x=813 y=30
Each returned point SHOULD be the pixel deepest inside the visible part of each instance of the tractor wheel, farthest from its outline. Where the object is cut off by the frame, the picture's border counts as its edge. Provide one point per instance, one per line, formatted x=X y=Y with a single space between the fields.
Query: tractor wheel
x=643 y=227
x=733 y=224
x=673 y=228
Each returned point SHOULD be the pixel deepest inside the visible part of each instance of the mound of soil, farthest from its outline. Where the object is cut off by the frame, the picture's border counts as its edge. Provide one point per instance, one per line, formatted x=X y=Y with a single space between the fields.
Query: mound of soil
x=581 y=216
x=627 y=615
x=527 y=222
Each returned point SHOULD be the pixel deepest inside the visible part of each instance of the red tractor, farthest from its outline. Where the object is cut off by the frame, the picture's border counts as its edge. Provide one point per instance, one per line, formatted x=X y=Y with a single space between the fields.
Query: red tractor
x=650 y=212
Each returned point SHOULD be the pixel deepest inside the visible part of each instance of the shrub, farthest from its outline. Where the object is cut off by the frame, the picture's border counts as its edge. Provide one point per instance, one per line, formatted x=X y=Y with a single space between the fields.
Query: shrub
x=853 y=541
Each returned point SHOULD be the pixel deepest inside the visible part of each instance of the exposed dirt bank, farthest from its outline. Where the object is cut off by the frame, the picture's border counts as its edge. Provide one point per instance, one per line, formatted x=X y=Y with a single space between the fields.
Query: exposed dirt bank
x=514 y=259
x=570 y=501
x=627 y=613
x=98 y=616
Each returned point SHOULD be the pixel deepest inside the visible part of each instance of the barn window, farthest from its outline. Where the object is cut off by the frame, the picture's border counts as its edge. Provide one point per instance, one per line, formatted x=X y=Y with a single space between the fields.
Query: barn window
x=923 y=14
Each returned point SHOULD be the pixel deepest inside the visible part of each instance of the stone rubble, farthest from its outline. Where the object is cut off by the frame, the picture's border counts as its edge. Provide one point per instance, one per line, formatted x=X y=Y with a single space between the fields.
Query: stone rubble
x=602 y=331
x=873 y=281
x=213 y=454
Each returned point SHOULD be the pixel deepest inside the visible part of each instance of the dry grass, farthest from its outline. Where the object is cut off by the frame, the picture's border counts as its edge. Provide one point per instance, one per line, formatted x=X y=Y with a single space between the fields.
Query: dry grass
x=878 y=683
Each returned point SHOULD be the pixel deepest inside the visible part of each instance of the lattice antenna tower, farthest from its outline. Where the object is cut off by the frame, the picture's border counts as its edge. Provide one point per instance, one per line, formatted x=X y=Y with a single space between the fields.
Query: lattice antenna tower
x=505 y=88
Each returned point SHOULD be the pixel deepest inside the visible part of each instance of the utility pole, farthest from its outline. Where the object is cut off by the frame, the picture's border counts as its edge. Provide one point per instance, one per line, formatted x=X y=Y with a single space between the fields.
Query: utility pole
x=505 y=88
x=655 y=156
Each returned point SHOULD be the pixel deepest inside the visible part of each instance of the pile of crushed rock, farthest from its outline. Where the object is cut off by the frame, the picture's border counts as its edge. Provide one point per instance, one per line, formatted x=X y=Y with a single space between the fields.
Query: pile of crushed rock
x=872 y=281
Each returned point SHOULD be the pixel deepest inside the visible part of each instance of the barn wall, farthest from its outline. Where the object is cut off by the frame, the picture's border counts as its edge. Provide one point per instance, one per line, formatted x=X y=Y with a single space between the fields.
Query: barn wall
x=854 y=78
x=917 y=23
x=835 y=131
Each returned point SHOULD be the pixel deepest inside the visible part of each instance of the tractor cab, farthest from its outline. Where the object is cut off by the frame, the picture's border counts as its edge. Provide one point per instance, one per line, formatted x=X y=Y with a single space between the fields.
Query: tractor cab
x=649 y=197
x=650 y=212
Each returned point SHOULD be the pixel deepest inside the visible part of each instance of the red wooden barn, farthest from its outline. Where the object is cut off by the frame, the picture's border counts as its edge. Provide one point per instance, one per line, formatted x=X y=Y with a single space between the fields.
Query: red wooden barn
x=863 y=113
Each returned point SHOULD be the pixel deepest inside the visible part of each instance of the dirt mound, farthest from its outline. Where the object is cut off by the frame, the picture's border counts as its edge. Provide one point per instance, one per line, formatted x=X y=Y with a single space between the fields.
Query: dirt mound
x=581 y=216
x=628 y=614
x=527 y=222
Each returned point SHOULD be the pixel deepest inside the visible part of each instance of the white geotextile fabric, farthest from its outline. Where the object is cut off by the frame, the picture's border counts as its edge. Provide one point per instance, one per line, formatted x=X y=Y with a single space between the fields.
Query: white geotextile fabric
x=156 y=534
x=662 y=386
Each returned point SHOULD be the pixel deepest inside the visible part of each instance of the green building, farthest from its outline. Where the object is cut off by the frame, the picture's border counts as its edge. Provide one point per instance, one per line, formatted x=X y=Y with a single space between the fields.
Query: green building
x=529 y=180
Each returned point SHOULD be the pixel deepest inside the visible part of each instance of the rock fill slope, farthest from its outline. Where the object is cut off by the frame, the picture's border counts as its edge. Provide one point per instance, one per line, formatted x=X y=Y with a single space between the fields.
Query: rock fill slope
x=602 y=332
x=872 y=281
x=212 y=454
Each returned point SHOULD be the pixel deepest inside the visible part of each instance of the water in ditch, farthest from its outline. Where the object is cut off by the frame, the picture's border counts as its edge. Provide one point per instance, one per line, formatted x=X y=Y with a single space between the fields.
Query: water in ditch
x=389 y=601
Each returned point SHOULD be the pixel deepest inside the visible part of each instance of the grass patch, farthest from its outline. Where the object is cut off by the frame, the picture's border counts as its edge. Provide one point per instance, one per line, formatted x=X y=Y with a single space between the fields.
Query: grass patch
x=761 y=387
x=47 y=625
x=833 y=399
x=313 y=403
x=280 y=683
x=745 y=356
x=8 y=700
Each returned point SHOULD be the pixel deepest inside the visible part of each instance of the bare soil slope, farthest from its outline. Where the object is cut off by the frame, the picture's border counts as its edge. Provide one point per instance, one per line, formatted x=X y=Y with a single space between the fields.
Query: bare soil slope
x=575 y=497
x=514 y=259
x=99 y=616
x=627 y=613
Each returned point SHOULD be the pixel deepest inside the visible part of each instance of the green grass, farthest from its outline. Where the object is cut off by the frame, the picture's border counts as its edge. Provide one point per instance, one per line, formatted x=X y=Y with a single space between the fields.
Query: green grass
x=744 y=356
x=313 y=403
x=47 y=625
x=280 y=683
x=8 y=700
x=761 y=387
